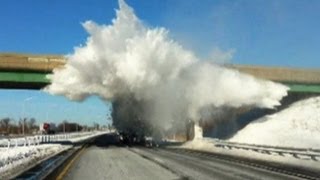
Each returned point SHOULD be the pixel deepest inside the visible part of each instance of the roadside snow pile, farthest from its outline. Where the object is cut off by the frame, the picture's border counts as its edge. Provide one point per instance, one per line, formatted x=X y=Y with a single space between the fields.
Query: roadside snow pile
x=296 y=126
x=201 y=144
x=15 y=160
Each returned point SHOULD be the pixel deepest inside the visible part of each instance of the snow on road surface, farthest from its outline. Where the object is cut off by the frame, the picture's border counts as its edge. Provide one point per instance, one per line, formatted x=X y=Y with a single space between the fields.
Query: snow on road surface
x=13 y=160
x=116 y=163
x=296 y=126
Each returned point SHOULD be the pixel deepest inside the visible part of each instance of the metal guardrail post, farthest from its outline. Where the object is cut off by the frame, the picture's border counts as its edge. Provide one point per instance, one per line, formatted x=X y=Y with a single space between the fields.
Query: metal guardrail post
x=314 y=158
x=9 y=142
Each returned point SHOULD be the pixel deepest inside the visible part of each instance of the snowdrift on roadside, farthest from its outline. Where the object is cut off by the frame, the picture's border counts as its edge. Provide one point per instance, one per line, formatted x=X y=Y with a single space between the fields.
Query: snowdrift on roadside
x=13 y=160
x=296 y=126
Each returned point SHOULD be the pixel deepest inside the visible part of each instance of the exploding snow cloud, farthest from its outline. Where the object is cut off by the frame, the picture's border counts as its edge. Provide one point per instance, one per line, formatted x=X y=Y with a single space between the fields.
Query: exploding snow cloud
x=128 y=59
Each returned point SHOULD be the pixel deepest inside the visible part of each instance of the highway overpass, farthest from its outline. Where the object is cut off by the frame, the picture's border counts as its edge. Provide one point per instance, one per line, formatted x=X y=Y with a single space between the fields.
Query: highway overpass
x=28 y=71
x=225 y=160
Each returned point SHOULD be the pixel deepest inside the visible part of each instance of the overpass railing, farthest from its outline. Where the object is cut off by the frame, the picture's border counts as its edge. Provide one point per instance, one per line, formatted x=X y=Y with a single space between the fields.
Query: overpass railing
x=54 y=138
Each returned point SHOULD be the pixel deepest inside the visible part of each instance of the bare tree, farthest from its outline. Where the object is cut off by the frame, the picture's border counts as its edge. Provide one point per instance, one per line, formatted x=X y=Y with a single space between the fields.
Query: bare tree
x=31 y=124
x=96 y=126
x=22 y=125
x=5 y=124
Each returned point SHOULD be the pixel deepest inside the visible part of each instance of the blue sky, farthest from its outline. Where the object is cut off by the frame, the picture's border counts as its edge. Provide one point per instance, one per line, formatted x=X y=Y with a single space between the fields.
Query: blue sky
x=269 y=32
x=47 y=108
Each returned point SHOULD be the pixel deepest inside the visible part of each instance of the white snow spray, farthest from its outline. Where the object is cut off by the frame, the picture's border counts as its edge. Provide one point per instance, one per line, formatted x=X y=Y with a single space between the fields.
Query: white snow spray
x=151 y=78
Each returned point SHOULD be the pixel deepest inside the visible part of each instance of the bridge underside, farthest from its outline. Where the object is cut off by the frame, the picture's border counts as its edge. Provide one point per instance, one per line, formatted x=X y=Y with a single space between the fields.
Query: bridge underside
x=303 y=88
x=38 y=80
x=19 y=85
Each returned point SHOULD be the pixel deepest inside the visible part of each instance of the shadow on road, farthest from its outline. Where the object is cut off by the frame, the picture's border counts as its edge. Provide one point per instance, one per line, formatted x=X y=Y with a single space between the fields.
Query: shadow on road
x=106 y=140
x=115 y=139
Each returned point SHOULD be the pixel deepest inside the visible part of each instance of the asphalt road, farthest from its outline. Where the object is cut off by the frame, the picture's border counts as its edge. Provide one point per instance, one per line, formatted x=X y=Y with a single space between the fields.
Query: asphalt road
x=105 y=161
x=205 y=167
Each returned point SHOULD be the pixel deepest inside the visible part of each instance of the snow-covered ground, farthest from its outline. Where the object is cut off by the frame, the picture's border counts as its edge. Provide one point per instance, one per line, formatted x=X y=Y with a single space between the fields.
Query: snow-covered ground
x=89 y=136
x=13 y=160
x=295 y=126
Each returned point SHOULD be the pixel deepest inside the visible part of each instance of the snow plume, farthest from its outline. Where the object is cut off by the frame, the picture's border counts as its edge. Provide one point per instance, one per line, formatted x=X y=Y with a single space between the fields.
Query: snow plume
x=126 y=59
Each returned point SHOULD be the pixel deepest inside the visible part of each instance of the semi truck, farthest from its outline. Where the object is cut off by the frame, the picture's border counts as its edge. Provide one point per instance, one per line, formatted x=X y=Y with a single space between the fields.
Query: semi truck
x=47 y=128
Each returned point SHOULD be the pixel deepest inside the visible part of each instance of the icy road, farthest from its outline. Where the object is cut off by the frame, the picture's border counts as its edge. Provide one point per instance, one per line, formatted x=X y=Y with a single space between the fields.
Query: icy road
x=101 y=161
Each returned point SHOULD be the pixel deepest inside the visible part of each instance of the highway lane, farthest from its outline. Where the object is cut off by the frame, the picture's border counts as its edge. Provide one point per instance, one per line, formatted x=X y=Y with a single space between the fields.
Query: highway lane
x=101 y=161
x=116 y=163
x=205 y=167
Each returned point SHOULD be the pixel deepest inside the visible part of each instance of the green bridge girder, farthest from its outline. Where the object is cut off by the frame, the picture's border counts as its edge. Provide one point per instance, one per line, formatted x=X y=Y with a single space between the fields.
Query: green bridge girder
x=306 y=88
x=23 y=80
x=37 y=80
x=24 y=77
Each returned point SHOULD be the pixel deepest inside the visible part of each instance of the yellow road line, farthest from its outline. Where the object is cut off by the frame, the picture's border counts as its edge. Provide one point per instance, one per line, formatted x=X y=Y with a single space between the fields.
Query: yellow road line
x=68 y=166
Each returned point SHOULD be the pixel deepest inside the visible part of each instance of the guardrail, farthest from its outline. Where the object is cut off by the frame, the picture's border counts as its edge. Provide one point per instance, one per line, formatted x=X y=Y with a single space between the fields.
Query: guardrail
x=43 y=139
x=299 y=153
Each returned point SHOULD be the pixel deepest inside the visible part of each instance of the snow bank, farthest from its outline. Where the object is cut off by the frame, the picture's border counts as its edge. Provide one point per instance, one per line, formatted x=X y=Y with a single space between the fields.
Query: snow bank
x=13 y=160
x=88 y=137
x=296 y=126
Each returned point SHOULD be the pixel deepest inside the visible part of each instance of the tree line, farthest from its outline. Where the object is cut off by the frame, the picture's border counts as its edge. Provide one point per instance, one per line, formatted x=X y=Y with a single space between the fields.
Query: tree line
x=30 y=126
x=22 y=126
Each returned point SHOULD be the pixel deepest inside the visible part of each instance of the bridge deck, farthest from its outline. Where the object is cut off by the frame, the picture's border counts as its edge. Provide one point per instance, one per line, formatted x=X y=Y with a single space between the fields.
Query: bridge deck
x=28 y=70
x=281 y=74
